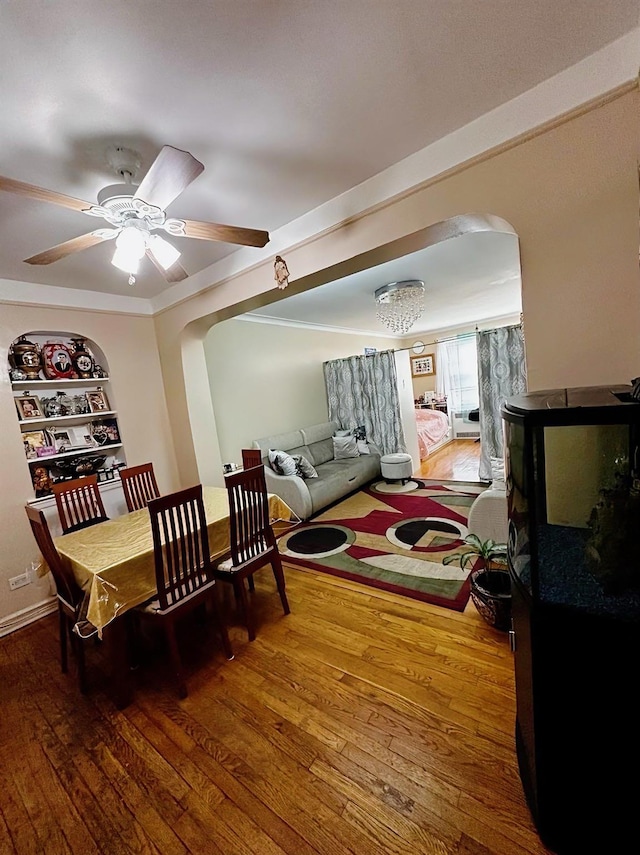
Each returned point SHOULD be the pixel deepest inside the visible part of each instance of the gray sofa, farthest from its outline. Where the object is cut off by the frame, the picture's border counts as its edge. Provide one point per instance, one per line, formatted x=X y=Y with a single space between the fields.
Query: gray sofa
x=336 y=478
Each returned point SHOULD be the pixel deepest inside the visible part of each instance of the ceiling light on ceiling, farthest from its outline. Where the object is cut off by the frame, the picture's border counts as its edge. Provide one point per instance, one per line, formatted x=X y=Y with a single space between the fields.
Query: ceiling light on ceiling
x=133 y=241
x=165 y=253
x=131 y=245
x=400 y=304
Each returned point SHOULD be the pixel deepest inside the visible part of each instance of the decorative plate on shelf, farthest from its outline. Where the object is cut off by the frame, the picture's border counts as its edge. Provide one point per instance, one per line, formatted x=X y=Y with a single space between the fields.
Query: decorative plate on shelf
x=85 y=465
x=58 y=364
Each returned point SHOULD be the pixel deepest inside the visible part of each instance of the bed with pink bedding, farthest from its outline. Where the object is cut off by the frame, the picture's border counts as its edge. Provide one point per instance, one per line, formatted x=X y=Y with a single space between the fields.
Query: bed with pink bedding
x=433 y=427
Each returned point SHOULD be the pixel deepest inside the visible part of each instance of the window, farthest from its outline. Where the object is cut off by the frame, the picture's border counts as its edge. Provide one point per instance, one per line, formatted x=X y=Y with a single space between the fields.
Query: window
x=458 y=373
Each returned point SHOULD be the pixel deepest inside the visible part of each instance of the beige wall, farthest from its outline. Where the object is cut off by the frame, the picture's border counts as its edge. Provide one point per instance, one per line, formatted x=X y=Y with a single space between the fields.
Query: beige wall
x=268 y=378
x=570 y=193
x=130 y=346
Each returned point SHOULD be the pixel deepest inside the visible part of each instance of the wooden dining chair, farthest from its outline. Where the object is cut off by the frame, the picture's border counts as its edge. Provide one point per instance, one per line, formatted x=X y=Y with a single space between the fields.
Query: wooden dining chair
x=139 y=486
x=251 y=457
x=79 y=503
x=72 y=601
x=184 y=576
x=253 y=543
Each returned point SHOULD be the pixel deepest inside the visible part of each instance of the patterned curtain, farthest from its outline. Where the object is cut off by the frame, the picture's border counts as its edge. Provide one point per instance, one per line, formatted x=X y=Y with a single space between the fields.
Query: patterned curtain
x=363 y=390
x=501 y=373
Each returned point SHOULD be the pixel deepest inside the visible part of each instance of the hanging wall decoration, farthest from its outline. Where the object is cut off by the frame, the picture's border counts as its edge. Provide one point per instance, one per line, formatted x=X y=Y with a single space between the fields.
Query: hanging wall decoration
x=281 y=272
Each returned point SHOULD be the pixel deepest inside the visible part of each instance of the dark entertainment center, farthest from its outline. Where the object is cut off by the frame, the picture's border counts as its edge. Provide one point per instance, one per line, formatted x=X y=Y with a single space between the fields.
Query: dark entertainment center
x=573 y=479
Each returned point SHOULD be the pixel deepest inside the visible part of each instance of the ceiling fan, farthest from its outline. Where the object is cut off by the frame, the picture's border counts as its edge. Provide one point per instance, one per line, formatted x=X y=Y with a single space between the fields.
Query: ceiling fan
x=136 y=213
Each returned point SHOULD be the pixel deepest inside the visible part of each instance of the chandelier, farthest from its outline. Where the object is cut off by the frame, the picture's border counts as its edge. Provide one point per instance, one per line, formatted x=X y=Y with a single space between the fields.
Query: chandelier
x=400 y=304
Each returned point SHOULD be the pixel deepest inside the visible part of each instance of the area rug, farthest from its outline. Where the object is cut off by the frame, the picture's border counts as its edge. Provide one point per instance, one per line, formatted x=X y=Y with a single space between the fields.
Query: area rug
x=393 y=541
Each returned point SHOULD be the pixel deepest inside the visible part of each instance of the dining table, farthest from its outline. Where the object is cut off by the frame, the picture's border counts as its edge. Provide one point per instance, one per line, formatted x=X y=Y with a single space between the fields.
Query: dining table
x=113 y=561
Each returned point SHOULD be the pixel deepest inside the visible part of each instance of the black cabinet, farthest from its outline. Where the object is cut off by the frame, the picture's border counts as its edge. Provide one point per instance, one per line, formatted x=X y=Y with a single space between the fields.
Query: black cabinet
x=574 y=557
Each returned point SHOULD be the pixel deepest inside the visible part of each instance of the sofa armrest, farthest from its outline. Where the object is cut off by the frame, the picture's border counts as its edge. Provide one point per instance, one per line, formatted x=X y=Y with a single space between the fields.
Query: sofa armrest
x=291 y=490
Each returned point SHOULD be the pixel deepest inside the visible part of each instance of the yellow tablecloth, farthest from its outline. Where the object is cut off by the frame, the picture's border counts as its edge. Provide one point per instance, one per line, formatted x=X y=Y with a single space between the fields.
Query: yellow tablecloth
x=114 y=560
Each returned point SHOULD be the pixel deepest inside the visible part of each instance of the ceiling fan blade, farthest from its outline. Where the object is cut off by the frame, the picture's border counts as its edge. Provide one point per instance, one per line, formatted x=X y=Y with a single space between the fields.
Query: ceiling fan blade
x=175 y=273
x=64 y=249
x=42 y=195
x=170 y=173
x=228 y=234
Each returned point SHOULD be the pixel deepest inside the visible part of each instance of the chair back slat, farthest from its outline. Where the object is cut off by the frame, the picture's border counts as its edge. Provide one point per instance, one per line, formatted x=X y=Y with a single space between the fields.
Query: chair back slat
x=181 y=545
x=250 y=530
x=66 y=585
x=251 y=457
x=79 y=502
x=139 y=486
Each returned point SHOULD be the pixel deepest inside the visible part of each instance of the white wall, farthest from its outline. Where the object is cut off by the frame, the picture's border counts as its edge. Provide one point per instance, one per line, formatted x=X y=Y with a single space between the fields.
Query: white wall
x=407 y=408
x=268 y=378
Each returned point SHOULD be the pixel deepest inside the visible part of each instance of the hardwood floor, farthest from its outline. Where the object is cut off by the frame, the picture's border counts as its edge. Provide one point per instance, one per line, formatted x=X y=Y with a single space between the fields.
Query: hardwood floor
x=362 y=723
x=458 y=460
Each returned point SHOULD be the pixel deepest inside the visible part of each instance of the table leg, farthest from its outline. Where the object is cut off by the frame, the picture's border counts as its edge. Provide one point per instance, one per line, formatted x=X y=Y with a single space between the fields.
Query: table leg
x=115 y=636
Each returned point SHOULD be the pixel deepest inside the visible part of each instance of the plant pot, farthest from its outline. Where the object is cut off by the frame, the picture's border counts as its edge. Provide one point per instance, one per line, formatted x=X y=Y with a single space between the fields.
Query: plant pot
x=491 y=595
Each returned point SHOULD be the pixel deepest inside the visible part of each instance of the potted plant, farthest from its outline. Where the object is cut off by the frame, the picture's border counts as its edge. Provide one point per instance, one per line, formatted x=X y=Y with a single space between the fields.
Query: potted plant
x=489 y=580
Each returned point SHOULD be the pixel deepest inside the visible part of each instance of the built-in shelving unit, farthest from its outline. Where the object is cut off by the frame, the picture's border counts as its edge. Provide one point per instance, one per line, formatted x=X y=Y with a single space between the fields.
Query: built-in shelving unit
x=76 y=421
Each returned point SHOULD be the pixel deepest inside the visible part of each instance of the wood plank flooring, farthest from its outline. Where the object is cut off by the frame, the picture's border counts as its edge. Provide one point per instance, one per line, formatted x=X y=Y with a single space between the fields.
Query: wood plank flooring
x=458 y=460
x=361 y=723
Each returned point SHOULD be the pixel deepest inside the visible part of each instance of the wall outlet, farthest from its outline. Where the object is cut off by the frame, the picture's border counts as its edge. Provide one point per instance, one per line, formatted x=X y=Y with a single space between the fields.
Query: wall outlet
x=19 y=581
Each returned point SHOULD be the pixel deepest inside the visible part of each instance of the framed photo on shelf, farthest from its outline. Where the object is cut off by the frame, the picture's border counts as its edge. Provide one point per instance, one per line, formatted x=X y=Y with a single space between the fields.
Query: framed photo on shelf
x=105 y=432
x=71 y=438
x=62 y=439
x=29 y=407
x=97 y=401
x=34 y=440
x=423 y=365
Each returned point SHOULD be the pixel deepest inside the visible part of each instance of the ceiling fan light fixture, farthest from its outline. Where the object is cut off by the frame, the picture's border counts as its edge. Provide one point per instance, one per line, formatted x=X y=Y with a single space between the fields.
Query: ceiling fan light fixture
x=133 y=240
x=136 y=210
x=400 y=304
x=131 y=245
x=165 y=253
x=125 y=261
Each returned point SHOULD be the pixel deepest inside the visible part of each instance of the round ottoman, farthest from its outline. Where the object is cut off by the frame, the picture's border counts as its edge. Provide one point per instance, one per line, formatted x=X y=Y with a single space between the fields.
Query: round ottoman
x=396 y=467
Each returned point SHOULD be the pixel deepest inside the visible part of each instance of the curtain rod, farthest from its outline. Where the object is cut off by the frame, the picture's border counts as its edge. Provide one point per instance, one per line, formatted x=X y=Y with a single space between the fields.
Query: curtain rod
x=457 y=337
x=426 y=343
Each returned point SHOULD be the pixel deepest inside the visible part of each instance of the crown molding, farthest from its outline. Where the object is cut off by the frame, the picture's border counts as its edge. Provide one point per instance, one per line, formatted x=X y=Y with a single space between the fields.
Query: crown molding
x=17 y=293
x=479 y=325
x=285 y=322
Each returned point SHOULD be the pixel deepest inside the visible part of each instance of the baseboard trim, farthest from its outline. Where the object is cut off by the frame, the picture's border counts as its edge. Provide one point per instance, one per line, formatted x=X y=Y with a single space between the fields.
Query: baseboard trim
x=26 y=616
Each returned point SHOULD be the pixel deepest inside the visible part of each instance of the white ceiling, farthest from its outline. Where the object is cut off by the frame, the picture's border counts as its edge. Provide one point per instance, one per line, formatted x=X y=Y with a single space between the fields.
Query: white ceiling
x=468 y=279
x=287 y=103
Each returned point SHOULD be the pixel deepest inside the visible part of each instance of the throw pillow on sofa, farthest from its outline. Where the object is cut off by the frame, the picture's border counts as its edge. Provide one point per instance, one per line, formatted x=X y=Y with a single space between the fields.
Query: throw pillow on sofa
x=304 y=468
x=345 y=447
x=360 y=435
x=282 y=463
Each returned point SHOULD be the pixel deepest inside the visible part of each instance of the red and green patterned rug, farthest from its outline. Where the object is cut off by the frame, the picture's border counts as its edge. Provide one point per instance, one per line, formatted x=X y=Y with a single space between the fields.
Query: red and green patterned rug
x=391 y=540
